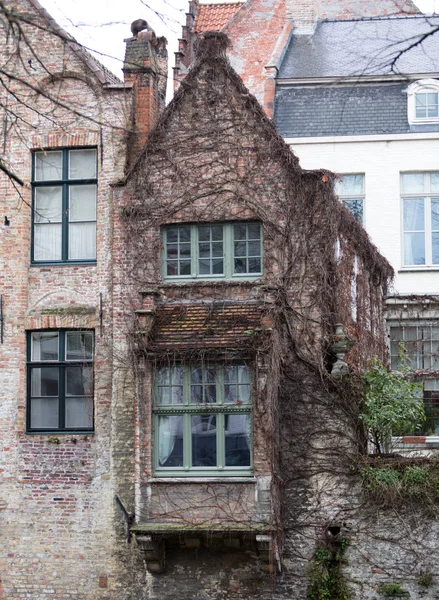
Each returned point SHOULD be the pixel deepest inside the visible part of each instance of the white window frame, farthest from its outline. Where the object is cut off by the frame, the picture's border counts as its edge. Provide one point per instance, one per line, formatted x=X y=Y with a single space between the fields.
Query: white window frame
x=422 y=86
x=427 y=196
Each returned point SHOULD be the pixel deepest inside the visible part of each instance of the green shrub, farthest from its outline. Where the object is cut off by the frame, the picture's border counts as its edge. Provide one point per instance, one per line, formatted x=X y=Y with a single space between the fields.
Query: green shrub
x=392 y=590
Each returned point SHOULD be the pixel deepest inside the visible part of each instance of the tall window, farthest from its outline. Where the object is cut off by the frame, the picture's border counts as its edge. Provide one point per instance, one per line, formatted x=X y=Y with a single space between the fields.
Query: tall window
x=202 y=420
x=350 y=190
x=64 y=206
x=420 y=207
x=420 y=343
x=217 y=251
x=60 y=380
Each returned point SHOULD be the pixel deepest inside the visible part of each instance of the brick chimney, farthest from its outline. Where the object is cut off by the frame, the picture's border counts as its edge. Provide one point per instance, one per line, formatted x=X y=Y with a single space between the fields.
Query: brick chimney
x=303 y=14
x=146 y=69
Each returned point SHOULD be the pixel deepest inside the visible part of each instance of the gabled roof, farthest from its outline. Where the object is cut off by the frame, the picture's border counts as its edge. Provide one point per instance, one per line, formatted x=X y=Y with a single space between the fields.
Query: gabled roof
x=105 y=76
x=213 y=17
x=406 y=45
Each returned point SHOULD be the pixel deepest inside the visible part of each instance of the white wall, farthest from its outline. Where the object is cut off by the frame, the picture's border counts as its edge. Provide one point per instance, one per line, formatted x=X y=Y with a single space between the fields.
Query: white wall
x=381 y=160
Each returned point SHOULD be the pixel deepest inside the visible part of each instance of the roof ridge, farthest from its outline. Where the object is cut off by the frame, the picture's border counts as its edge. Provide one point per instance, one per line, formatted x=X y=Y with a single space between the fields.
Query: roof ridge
x=381 y=18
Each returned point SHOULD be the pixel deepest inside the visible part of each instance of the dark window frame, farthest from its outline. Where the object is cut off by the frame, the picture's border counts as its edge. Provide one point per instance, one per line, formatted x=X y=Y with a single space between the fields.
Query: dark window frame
x=65 y=183
x=61 y=364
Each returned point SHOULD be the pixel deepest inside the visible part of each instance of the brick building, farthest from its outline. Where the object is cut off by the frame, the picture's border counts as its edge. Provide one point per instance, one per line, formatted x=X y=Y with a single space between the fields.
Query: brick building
x=215 y=292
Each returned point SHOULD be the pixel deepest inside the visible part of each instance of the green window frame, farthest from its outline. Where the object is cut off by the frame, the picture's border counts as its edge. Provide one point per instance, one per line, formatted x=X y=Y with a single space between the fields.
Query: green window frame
x=212 y=251
x=202 y=420
x=64 y=204
x=60 y=380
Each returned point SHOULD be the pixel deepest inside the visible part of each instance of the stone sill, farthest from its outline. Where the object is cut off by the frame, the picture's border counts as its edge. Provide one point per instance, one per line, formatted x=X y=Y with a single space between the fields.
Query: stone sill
x=200 y=528
x=229 y=479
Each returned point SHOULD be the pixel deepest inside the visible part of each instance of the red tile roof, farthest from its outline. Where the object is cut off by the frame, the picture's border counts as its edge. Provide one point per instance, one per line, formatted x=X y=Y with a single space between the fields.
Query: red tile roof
x=206 y=325
x=213 y=17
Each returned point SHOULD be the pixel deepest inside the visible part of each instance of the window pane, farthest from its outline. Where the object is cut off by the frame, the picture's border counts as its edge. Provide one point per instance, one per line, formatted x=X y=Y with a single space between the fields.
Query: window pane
x=254 y=231
x=48 y=166
x=412 y=183
x=203 y=428
x=237 y=440
x=44 y=413
x=170 y=385
x=217 y=266
x=82 y=241
x=435 y=248
x=79 y=345
x=82 y=164
x=44 y=381
x=79 y=412
x=170 y=441
x=236 y=384
x=172 y=235
x=82 y=203
x=47 y=242
x=185 y=234
x=352 y=185
x=79 y=381
x=356 y=208
x=435 y=213
x=240 y=249
x=414 y=249
x=414 y=214
x=44 y=345
x=48 y=205
x=240 y=232
x=434 y=182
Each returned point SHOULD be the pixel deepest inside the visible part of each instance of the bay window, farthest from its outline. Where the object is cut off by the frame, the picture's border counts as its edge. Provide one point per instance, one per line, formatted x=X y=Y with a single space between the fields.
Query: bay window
x=202 y=420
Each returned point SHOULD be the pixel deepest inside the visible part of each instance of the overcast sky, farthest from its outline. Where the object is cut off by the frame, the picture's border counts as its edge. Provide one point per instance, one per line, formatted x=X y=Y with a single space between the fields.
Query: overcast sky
x=102 y=25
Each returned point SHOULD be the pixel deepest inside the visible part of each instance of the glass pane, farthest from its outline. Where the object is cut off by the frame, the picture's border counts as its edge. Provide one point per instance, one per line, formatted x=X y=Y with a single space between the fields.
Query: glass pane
x=204 y=267
x=172 y=235
x=170 y=441
x=356 y=208
x=170 y=385
x=352 y=185
x=82 y=241
x=237 y=440
x=435 y=248
x=434 y=182
x=82 y=203
x=47 y=242
x=240 y=232
x=79 y=381
x=240 y=249
x=44 y=381
x=48 y=166
x=217 y=266
x=172 y=251
x=82 y=164
x=217 y=233
x=254 y=265
x=171 y=267
x=44 y=345
x=44 y=413
x=185 y=267
x=48 y=205
x=412 y=183
x=435 y=213
x=254 y=231
x=203 y=428
x=240 y=265
x=236 y=384
x=414 y=249
x=185 y=234
x=414 y=214
x=254 y=249
x=204 y=250
x=421 y=108
x=79 y=345
x=185 y=250
x=204 y=234
x=79 y=412
x=217 y=249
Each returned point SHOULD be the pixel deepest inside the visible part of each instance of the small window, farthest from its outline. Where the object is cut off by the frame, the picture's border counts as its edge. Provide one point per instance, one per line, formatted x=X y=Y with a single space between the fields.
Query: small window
x=202 y=416
x=420 y=216
x=212 y=251
x=64 y=185
x=423 y=101
x=420 y=343
x=60 y=380
x=350 y=190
